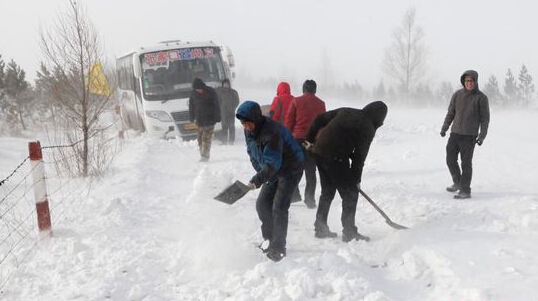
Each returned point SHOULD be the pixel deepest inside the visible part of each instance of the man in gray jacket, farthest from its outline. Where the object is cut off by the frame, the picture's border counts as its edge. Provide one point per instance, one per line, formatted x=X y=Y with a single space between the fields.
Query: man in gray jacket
x=468 y=113
x=229 y=100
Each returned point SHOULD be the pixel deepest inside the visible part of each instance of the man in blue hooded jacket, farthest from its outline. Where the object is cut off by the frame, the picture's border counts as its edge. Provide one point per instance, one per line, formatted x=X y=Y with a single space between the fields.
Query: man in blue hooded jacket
x=278 y=160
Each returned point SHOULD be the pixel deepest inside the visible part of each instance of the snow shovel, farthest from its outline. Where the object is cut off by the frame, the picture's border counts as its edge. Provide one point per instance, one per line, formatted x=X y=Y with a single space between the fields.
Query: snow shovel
x=387 y=219
x=233 y=193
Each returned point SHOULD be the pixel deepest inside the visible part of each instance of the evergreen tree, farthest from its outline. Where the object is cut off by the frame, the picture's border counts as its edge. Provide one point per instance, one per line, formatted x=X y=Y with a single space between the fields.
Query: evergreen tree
x=491 y=89
x=510 y=88
x=422 y=95
x=391 y=95
x=15 y=87
x=444 y=93
x=379 y=92
x=2 y=102
x=44 y=85
x=2 y=66
x=525 y=87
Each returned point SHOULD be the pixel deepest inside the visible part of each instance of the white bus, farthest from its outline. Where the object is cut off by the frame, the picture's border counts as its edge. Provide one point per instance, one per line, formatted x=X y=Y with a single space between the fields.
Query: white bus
x=154 y=84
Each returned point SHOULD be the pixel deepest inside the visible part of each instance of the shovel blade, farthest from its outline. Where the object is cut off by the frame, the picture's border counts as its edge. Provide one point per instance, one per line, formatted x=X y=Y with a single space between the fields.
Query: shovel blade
x=232 y=193
x=395 y=225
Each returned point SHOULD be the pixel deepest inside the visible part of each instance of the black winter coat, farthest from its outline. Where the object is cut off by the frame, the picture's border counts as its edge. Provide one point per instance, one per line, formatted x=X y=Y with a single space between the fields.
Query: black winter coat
x=347 y=133
x=204 y=108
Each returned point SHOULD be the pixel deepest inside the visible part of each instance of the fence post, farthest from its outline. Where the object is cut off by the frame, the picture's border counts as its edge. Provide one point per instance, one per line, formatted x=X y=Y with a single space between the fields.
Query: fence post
x=40 y=188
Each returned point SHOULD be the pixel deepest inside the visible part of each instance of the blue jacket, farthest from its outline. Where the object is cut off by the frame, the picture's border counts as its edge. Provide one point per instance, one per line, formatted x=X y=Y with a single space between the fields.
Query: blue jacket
x=272 y=149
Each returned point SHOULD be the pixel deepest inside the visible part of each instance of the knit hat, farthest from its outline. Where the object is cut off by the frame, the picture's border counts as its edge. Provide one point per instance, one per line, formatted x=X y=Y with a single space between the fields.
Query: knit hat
x=198 y=84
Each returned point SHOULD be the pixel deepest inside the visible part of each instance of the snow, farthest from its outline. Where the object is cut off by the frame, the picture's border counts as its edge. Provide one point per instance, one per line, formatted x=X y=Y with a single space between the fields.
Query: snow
x=150 y=230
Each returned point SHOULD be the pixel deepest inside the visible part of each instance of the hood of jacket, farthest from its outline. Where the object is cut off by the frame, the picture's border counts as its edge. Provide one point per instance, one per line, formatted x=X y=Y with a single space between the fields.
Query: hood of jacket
x=472 y=73
x=376 y=111
x=283 y=88
x=249 y=111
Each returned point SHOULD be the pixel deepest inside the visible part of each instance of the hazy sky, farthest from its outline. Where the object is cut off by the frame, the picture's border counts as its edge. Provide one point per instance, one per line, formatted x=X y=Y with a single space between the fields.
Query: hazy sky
x=288 y=38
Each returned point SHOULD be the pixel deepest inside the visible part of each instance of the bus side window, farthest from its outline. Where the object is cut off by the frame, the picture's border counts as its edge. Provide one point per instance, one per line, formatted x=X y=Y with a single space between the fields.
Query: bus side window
x=136 y=87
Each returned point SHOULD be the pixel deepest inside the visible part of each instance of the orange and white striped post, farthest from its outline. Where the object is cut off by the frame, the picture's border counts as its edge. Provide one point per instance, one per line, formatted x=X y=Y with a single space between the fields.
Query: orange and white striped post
x=40 y=187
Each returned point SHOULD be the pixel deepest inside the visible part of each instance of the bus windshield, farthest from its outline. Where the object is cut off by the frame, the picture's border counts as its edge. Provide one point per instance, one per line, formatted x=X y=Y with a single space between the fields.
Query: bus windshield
x=168 y=74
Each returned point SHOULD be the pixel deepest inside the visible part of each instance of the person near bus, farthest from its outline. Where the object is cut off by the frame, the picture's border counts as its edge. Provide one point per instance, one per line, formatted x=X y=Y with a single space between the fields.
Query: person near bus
x=229 y=100
x=204 y=109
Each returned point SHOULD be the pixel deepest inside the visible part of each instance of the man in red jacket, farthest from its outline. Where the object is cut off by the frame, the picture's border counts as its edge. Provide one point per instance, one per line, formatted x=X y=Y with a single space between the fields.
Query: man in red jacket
x=281 y=102
x=302 y=111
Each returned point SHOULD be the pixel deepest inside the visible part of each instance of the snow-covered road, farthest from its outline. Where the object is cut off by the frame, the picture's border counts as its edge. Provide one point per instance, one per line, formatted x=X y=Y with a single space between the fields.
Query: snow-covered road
x=150 y=230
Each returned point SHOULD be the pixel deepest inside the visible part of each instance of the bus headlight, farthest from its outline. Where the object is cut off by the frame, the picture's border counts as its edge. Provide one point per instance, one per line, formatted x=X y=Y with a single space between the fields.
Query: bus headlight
x=159 y=115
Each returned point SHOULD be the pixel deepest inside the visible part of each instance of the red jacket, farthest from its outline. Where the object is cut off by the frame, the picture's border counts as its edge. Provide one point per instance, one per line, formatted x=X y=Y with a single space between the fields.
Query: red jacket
x=281 y=102
x=302 y=112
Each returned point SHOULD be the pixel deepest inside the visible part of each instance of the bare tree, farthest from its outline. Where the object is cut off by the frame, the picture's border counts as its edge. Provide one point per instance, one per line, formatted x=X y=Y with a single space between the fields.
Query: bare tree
x=72 y=49
x=405 y=58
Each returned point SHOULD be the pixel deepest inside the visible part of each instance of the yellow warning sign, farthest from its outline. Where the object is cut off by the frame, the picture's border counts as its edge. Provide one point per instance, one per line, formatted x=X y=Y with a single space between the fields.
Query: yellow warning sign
x=98 y=84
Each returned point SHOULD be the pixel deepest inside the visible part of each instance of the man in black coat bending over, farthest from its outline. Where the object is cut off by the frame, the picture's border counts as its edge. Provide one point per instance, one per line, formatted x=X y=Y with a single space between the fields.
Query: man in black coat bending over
x=340 y=139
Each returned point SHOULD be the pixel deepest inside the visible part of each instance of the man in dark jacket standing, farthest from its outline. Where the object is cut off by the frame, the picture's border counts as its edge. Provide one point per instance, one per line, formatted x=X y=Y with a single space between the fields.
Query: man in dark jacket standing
x=229 y=100
x=278 y=161
x=343 y=135
x=302 y=111
x=468 y=112
x=205 y=110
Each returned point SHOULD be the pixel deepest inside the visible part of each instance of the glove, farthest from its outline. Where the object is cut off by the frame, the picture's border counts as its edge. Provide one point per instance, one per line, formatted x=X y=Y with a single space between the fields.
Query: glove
x=308 y=145
x=358 y=185
x=251 y=185
x=443 y=133
x=479 y=141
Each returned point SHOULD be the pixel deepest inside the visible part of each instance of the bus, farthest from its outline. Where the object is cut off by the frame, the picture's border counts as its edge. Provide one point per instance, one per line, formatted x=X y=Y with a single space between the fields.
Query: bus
x=154 y=84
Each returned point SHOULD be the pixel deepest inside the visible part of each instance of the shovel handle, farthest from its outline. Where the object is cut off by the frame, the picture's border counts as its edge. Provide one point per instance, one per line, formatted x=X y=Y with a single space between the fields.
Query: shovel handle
x=387 y=219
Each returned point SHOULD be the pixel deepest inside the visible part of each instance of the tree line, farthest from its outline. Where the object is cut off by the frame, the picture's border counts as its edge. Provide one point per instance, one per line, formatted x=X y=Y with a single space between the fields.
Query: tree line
x=404 y=65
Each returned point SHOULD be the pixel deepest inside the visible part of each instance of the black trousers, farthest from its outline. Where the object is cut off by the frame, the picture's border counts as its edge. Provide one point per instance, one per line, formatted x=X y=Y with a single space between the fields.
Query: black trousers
x=336 y=175
x=272 y=206
x=462 y=145
x=310 y=174
x=228 y=130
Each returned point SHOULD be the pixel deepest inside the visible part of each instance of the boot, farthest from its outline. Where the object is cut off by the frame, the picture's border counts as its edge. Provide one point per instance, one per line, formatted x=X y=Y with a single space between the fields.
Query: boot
x=455 y=187
x=354 y=236
x=463 y=195
x=323 y=231
x=275 y=255
x=296 y=197
x=310 y=203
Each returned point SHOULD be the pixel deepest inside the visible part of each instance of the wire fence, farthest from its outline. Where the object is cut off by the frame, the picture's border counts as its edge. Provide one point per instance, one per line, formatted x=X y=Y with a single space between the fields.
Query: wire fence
x=19 y=229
